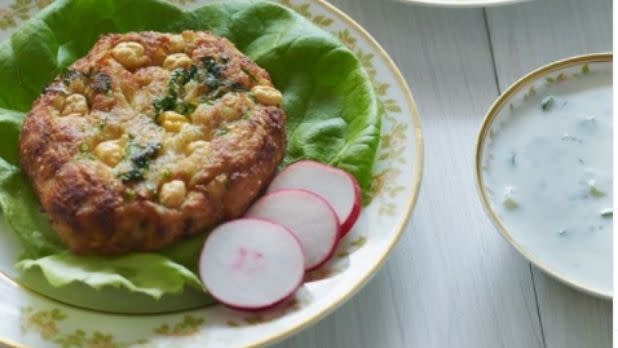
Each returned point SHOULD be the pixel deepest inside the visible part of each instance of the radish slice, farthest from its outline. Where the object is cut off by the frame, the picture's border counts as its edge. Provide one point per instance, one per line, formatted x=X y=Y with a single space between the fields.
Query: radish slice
x=308 y=216
x=336 y=186
x=251 y=264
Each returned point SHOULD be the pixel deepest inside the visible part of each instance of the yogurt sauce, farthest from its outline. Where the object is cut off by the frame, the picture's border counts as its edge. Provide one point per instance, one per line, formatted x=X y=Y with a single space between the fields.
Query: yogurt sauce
x=547 y=168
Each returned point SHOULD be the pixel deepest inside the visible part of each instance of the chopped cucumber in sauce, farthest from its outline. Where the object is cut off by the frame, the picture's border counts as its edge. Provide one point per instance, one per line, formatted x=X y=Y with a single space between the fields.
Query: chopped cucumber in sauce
x=607 y=213
x=509 y=201
x=547 y=103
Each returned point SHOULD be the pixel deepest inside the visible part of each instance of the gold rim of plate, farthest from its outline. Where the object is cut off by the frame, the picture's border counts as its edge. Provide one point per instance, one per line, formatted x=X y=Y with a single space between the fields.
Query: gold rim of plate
x=417 y=171
x=494 y=110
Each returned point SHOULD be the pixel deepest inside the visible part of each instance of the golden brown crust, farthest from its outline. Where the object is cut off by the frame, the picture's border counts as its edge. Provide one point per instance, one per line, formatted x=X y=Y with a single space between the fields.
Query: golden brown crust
x=104 y=139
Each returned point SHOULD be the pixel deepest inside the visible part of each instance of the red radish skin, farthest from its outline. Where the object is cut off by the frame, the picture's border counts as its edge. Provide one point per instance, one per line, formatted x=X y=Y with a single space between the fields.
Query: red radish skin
x=336 y=186
x=346 y=226
x=252 y=264
x=309 y=216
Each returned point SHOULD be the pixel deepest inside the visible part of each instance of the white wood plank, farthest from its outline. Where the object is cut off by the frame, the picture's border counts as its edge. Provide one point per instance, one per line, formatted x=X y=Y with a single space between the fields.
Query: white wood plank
x=452 y=281
x=571 y=319
x=523 y=38
x=529 y=35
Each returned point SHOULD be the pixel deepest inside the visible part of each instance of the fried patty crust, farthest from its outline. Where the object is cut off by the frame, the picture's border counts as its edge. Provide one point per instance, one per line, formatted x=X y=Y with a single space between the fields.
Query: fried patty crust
x=152 y=138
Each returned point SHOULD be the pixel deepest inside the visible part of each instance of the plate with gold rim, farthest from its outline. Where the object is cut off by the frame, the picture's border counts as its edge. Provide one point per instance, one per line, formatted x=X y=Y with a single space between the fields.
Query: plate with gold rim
x=31 y=319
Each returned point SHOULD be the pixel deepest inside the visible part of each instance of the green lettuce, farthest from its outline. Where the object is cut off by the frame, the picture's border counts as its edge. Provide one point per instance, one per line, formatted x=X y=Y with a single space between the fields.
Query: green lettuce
x=333 y=116
x=150 y=274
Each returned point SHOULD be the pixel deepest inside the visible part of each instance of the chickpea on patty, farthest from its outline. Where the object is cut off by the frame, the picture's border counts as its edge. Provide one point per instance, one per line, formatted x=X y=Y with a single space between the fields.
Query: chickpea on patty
x=152 y=138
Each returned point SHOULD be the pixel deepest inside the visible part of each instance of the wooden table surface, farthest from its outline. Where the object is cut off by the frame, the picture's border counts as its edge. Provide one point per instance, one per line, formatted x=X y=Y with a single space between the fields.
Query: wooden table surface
x=453 y=281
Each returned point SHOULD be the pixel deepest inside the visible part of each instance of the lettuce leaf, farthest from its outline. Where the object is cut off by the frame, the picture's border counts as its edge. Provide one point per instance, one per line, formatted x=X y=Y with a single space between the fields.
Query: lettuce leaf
x=23 y=214
x=150 y=274
x=333 y=115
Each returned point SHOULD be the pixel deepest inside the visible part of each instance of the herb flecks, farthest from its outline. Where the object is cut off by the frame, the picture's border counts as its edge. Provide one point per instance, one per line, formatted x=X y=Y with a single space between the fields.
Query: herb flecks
x=132 y=175
x=211 y=65
x=211 y=81
x=249 y=73
x=70 y=75
x=184 y=108
x=180 y=77
x=140 y=157
x=98 y=81
x=101 y=82
x=212 y=78
x=163 y=104
x=213 y=70
x=175 y=89
x=208 y=73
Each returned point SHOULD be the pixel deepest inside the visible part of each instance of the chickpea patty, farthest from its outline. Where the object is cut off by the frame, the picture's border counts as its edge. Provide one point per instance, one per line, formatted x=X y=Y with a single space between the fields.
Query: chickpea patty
x=152 y=138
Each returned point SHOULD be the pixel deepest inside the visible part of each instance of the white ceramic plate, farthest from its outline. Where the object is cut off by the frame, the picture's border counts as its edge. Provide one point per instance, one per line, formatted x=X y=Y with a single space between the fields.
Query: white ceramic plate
x=568 y=71
x=31 y=320
x=464 y=3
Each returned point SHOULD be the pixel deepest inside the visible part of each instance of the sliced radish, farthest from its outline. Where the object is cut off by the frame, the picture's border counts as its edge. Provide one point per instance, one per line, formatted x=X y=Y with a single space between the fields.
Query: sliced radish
x=308 y=216
x=251 y=264
x=336 y=186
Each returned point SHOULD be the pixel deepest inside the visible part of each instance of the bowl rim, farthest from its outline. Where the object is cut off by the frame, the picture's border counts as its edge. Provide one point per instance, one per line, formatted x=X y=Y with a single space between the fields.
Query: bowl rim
x=494 y=110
